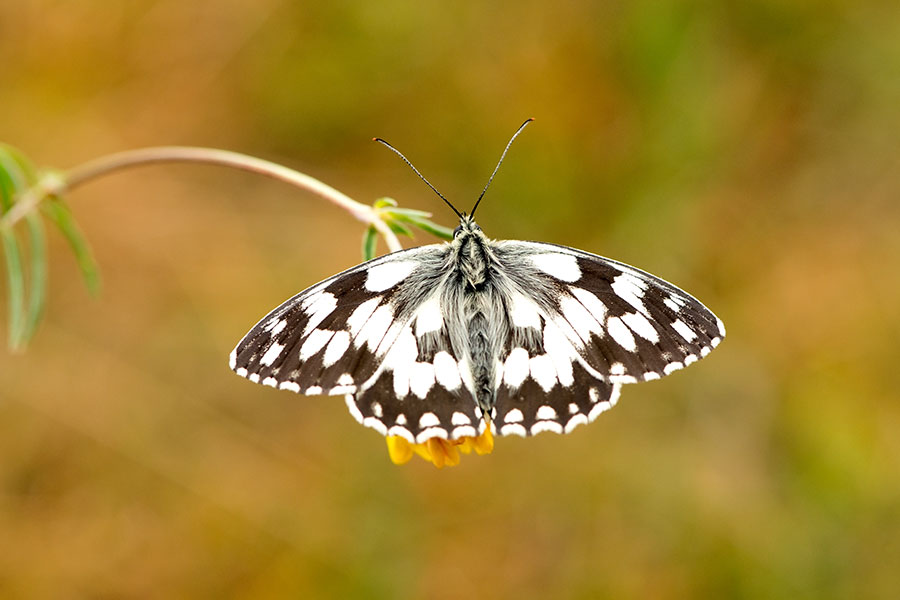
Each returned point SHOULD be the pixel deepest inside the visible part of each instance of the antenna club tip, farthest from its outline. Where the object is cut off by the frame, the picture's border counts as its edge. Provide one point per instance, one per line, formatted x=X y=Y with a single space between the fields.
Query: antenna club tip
x=529 y=119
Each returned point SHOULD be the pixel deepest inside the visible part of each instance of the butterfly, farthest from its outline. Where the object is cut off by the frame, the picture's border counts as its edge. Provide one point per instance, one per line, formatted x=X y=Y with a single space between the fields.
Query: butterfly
x=446 y=340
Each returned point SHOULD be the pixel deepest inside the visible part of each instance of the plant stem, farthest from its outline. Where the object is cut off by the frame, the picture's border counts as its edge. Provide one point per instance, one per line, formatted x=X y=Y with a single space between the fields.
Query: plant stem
x=57 y=184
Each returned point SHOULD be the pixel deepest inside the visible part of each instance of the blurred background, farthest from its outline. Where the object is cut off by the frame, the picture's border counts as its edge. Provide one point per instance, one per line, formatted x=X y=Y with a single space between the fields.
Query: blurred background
x=748 y=151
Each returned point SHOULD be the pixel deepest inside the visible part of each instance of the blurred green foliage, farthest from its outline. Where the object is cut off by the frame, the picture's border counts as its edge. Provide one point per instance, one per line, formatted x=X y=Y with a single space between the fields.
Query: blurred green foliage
x=746 y=151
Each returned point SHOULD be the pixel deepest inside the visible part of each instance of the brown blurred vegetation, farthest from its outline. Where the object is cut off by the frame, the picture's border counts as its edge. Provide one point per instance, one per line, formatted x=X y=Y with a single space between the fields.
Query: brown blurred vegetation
x=747 y=151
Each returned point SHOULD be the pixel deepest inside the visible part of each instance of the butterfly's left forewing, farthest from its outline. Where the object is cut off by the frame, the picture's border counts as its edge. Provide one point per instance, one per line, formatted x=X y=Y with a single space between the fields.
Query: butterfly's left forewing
x=375 y=334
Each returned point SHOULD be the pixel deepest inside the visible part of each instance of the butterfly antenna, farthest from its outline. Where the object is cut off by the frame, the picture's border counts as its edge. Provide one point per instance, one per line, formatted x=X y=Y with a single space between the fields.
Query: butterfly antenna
x=502 y=156
x=422 y=177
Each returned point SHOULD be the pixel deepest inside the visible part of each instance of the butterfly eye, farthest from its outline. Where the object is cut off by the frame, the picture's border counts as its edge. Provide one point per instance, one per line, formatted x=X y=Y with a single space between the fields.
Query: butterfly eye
x=457 y=231
x=476 y=227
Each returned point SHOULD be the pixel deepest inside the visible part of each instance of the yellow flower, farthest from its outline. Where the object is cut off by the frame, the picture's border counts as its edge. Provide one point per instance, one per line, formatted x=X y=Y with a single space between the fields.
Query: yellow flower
x=439 y=451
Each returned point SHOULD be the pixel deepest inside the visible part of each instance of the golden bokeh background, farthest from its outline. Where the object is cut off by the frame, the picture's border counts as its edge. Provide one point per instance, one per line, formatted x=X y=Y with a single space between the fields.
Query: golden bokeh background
x=748 y=151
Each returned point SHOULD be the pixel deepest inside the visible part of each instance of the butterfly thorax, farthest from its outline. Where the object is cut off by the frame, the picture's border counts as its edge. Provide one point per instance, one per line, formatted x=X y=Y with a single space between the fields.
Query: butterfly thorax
x=483 y=315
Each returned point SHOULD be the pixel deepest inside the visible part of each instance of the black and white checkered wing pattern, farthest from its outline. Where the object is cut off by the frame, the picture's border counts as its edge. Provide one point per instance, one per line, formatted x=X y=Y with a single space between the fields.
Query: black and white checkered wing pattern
x=583 y=325
x=374 y=334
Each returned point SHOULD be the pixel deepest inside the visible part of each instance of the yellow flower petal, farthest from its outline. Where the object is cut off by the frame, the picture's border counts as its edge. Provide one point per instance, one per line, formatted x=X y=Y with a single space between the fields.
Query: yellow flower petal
x=440 y=452
x=399 y=450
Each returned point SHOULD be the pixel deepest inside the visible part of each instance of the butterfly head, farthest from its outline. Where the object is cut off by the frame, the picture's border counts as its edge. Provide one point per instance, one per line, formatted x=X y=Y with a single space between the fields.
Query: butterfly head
x=467 y=227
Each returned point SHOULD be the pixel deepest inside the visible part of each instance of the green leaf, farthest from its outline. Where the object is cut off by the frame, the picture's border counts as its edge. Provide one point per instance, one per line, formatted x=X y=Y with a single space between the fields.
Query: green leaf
x=407 y=214
x=14 y=178
x=15 y=280
x=59 y=213
x=37 y=292
x=370 y=237
x=382 y=202
x=400 y=229
x=445 y=233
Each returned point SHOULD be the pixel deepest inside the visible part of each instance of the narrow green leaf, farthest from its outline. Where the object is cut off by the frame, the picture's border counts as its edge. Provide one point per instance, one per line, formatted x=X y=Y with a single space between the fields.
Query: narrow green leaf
x=404 y=214
x=37 y=292
x=26 y=167
x=400 y=229
x=382 y=202
x=445 y=233
x=370 y=237
x=15 y=279
x=62 y=217
x=12 y=181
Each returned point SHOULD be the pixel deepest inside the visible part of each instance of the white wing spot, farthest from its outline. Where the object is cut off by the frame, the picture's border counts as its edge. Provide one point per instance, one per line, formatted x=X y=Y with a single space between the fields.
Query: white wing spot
x=270 y=382
x=672 y=367
x=375 y=424
x=336 y=348
x=514 y=416
x=542 y=371
x=313 y=390
x=561 y=266
x=254 y=377
x=377 y=410
x=599 y=409
x=541 y=426
x=573 y=408
x=617 y=369
x=459 y=418
x=462 y=431
x=575 y=422
x=445 y=371
x=515 y=369
x=428 y=316
x=315 y=342
x=429 y=419
x=421 y=378
x=594 y=395
x=431 y=432
x=241 y=371
x=401 y=419
x=388 y=274
x=651 y=375
x=705 y=350
x=354 y=410
x=639 y=324
x=721 y=326
x=317 y=307
x=671 y=304
x=546 y=412
x=620 y=333
x=591 y=302
x=524 y=312
x=630 y=289
x=290 y=386
x=683 y=330
x=562 y=353
x=583 y=322
x=690 y=359
x=345 y=379
x=403 y=432
x=372 y=332
x=360 y=316
x=513 y=429
x=279 y=327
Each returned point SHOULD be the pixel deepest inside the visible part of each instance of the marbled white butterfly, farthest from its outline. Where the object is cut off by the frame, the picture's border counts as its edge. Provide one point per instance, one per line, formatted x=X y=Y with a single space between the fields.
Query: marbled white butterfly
x=426 y=342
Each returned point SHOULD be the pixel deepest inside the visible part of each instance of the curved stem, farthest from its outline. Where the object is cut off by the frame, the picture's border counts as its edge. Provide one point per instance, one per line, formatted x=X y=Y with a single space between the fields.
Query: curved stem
x=57 y=184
